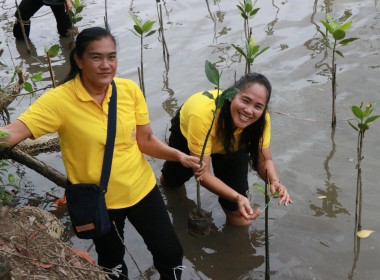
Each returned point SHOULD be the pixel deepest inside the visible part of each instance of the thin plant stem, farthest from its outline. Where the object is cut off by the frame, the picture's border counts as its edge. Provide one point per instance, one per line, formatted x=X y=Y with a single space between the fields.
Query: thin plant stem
x=333 y=84
x=51 y=70
x=22 y=28
x=142 y=66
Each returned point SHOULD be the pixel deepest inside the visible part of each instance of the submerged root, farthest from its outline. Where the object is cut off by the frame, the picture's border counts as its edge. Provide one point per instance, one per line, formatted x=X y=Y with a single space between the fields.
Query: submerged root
x=200 y=222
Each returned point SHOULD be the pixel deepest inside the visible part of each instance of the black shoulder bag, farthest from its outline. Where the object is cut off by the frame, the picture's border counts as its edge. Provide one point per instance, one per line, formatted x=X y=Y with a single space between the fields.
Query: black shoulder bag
x=86 y=202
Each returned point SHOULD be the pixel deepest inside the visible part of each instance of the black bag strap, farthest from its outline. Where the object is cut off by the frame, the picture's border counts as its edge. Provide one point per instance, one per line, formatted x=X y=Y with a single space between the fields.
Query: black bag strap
x=111 y=132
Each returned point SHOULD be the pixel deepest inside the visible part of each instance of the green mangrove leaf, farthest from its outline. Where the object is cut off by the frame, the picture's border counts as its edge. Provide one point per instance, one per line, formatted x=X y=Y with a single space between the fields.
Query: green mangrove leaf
x=138 y=29
x=248 y=6
x=209 y=95
x=251 y=42
x=263 y=50
x=339 y=34
x=259 y=188
x=328 y=27
x=11 y=178
x=79 y=9
x=229 y=93
x=28 y=87
x=357 y=112
x=254 y=12
x=363 y=126
x=219 y=102
x=53 y=51
x=148 y=25
x=212 y=73
x=240 y=51
x=338 y=52
x=345 y=26
x=371 y=119
x=334 y=25
x=37 y=77
x=346 y=41
x=353 y=126
x=136 y=20
x=253 y=50
x=241 y=9
x=150 y=33
x=276 y=193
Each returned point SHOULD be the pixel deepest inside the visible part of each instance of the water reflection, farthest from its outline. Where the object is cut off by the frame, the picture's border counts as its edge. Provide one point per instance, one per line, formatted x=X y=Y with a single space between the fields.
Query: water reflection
x=205 y=252
x=331 y=207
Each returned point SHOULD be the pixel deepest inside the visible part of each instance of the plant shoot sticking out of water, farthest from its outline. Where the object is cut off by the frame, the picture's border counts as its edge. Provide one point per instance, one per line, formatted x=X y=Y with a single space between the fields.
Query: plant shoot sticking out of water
x=364 y=120
x=261 y=189
x=142 y=30
x=200 y=220
x=50 y=53
x=252 y=51
x=35 y=78
x=338 y=31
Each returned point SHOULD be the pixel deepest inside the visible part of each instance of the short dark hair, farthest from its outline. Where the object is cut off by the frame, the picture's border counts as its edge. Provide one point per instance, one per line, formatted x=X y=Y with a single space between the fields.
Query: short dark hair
x=83 y=40
x=252 y=134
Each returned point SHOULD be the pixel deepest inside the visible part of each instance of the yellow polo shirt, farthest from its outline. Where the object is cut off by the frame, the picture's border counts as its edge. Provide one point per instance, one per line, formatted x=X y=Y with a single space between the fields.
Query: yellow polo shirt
x=81 y=124
x=196 y=117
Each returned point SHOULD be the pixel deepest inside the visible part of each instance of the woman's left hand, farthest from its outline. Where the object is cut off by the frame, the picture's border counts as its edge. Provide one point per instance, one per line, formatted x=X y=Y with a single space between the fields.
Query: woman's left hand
x=285 y=197
x=193 y=162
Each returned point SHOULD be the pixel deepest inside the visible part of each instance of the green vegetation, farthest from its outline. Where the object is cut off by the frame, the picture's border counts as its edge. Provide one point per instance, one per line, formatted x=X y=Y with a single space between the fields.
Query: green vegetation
x=338 y=31
x=142 y=30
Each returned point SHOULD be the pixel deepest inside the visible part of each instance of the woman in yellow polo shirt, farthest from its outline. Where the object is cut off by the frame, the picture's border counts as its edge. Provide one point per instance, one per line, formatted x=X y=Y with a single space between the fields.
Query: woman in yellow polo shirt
x=78 y=111
x=241 y=135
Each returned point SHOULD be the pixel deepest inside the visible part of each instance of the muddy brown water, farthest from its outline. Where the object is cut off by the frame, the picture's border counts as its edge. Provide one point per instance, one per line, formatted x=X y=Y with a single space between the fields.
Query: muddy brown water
x=311 y=239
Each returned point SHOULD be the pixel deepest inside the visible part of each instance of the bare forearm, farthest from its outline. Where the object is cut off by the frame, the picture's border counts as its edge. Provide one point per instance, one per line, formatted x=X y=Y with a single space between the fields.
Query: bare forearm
x=155 y=148
x=17 y=131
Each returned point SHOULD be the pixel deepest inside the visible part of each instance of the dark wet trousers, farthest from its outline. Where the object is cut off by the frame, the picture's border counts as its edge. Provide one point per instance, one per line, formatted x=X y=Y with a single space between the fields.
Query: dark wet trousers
x=29 y=7
x=151 y=220
x=232 y=169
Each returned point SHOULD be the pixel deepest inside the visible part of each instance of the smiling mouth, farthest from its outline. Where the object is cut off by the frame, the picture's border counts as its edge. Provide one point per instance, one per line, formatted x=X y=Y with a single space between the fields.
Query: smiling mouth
x=244 y=117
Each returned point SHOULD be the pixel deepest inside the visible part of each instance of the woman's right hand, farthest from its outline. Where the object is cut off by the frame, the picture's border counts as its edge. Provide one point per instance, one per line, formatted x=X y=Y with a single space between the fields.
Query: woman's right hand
x=245 y=208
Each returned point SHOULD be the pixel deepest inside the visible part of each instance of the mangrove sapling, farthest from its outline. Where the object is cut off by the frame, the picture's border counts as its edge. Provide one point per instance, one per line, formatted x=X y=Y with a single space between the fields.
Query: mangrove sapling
x=364 y=120
x=143 y=30
x=50 y=53
x=200 y=220
x=252 y=51
x=337 y=30
x=247 y=12
x=75 y=18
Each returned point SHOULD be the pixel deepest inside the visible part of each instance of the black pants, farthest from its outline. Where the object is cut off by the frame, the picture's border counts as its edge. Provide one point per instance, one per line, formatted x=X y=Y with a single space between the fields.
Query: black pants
x=152 y=222
x=231 y=169
x=29 y=7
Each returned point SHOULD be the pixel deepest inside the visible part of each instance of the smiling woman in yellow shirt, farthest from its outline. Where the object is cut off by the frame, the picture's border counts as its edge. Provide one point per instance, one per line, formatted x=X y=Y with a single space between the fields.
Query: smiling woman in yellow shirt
x=78 y=111
x=241 y=135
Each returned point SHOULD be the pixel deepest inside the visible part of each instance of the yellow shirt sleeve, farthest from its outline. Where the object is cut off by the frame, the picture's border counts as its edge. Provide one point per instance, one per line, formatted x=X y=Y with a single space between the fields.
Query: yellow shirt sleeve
x=267 y=130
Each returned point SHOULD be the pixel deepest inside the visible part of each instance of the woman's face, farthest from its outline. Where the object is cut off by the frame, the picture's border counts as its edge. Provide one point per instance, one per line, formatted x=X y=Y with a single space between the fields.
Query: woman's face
x=247 y=106
x=98 y=63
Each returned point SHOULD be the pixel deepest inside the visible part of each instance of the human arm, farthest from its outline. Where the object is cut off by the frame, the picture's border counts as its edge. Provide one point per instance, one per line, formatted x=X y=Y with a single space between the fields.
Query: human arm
x=17 y=131
x=152 y=146
x=266 y=167
x=69 y=5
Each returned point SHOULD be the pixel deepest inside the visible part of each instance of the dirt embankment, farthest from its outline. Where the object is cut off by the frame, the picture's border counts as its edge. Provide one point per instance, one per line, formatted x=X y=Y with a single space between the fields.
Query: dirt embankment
x=30 y=248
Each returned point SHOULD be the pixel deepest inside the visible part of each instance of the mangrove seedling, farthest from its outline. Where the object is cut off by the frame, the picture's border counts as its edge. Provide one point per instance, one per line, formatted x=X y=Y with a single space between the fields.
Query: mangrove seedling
x=5 y=195
x=364 y=120
x=142 y=30
x=337 y=30
x=200 y=220
x=252 y=51
x=247 y=12
x=50 y=53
